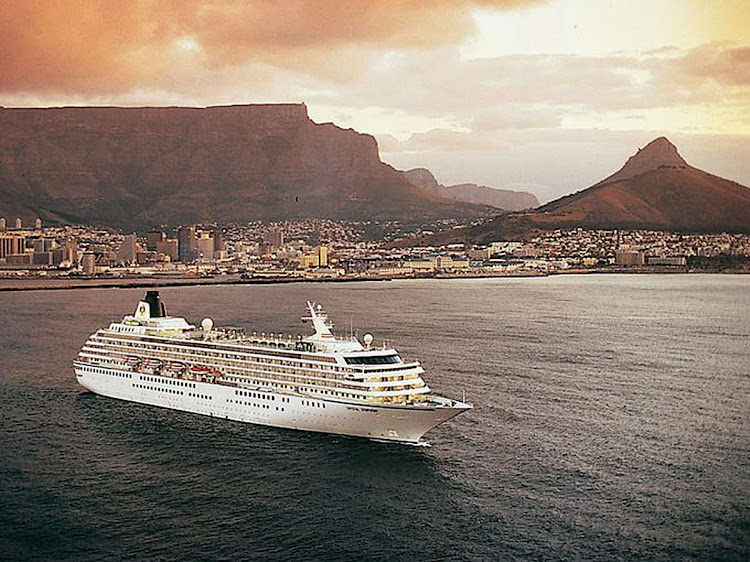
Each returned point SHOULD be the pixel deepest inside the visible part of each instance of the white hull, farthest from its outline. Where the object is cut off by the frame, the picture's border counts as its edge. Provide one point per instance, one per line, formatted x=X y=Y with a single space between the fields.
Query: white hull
x=266 y=407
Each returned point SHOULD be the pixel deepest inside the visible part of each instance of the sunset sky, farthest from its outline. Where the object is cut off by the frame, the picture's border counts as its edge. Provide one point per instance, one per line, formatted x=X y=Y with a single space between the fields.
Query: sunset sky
x=547 y=97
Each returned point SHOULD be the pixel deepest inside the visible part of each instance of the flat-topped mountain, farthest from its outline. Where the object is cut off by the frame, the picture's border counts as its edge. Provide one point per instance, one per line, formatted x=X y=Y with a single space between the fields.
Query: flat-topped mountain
x=655 y=190
x=139 y=167
x=504 y=199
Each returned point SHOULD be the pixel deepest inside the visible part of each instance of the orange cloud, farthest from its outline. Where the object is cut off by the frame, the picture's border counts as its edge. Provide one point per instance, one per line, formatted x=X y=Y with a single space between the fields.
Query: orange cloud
x=724 y=64
x=103 y=46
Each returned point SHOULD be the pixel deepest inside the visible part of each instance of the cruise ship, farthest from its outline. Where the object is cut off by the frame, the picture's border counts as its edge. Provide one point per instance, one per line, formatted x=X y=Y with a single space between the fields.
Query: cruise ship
x=320 y=383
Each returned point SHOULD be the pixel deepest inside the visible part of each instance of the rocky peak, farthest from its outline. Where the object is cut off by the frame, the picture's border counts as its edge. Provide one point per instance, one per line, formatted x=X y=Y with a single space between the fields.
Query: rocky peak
x=656 y=154
x=422 y=177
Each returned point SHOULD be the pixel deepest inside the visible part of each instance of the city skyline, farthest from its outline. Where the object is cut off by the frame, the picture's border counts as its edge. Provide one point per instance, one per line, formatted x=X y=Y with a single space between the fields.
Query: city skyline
x=539 y=96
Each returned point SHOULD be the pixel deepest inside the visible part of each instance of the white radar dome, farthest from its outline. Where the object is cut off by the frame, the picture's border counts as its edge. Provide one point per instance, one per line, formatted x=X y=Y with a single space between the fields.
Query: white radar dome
x=368 y=339
x=207 y=324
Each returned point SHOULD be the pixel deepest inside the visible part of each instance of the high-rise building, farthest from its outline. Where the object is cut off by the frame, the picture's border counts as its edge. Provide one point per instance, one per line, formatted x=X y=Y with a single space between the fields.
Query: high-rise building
x=153 y=238
x=3 y=224
x=275 y=237
x=322 y=252
x=11 y=245
x=204 y=247
x=218 y=237
x=38 y=224
x=19 y=224
x=220 y=245
x=168 y=247
x=71 y=252
x=186 y=245
x=317 y=258
x=128 y=251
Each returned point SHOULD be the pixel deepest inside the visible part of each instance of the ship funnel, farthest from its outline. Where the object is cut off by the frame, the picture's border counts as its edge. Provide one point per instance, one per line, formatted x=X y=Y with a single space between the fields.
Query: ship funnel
x=156 y=307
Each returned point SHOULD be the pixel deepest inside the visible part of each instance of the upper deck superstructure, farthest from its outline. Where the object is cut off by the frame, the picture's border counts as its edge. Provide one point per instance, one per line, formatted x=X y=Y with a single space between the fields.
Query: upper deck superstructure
x=333 y=374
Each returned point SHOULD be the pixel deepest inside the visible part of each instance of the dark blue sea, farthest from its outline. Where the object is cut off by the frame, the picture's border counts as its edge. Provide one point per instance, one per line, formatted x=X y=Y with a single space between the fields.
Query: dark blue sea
x=611 y=422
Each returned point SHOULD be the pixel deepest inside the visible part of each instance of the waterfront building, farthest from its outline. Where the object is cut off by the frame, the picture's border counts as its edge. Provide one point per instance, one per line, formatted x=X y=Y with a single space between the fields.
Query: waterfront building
x=675 y=261
x=438 y=262
x=19 y=260
x=629 y=257
x=89 y=263
x=49 y=258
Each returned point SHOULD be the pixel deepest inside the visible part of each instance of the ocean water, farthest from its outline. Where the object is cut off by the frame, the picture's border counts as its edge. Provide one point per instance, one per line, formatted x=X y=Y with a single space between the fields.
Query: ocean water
x=611 y=422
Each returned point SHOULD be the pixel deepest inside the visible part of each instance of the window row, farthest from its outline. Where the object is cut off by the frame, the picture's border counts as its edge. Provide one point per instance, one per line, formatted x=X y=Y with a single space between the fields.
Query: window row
x=163 y=380
x=110 y=372
x=159 y=388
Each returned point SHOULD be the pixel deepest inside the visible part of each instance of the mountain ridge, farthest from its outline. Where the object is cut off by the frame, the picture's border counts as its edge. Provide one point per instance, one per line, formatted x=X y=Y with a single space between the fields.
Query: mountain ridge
x=140 y=167
x=504 y=199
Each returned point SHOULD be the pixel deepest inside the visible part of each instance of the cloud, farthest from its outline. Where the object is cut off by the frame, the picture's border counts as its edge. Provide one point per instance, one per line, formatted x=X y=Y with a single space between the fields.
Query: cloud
x=445 y=140
x=720 y=63
x=515 y=116
x=704 y=85
x=103 y=46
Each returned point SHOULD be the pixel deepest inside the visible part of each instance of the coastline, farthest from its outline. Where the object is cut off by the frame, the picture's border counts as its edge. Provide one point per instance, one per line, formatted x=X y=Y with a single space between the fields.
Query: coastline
x=37 y=284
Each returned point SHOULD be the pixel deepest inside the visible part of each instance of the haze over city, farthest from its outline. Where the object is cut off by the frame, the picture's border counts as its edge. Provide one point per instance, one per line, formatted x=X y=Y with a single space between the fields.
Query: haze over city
x=547 y=97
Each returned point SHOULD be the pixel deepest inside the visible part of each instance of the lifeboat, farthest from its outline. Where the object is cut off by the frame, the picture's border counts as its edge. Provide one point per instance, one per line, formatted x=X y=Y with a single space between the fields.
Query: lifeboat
x=176 y=366
x=204 y=371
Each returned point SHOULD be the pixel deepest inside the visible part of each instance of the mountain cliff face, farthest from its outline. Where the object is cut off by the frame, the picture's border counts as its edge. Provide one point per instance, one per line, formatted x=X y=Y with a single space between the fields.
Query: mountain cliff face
x=139 y=167
x=655 y=190
x=504 y=199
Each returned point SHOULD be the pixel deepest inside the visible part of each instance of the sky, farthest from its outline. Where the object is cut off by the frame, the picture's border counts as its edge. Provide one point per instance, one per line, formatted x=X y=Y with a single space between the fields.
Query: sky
x=542 y=96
